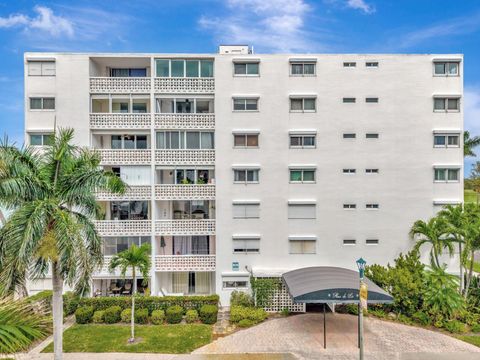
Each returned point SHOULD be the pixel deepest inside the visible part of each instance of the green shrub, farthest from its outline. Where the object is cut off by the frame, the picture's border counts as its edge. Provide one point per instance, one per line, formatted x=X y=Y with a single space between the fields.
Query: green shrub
x=158 y=317
x=378 y=312
x=455 y=327
x=84 y=314
x=98 y=316
x=208 y=314
x=70 y=303
x=241 y=298
x=244 y=323
x=191 y=316
x=476 y=328
x=141 y=316
x=112 y=314
x=285 y=312
x=239 y=313
x=44 y=297
x=126 y=315
x=421 y=318
x=404 y=319
x=174 y=314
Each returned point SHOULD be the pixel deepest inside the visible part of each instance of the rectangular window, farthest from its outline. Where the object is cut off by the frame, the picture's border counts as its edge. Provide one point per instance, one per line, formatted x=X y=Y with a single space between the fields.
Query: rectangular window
x=446 y=104
x=140 y=72
x=243 y=104
x=371 y=171
x=349 y=206
x=41 y=139
x=371 y=135
x=372 y=206
x=247 y=176
x=190 y=68
x=371 y=100
x=185 y=140
x=246 y=245
x=302 y=246
x=302 y=211
x=371 y=241
x=446 y=68
x=349 y=100
x=349 y=241
x=349 y=171
x=349 y=64
x=302 y=141
x=246 y=69
x=231 y=284
x=245 y=140
x=447 y=175
x=446 y=140
x=129 y=142
x=42 y=103
x=303 y=104
x=41 y=68
x=302 y=175
x=302 y=68
x=371 y=64
x=349 y=135
x=246 y=211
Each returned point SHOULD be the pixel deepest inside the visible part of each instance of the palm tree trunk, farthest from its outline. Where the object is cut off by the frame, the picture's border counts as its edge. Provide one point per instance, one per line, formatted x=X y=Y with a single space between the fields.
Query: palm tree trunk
x=470 y=274
x=461 y=266
x=57 y=302
x=133 y=304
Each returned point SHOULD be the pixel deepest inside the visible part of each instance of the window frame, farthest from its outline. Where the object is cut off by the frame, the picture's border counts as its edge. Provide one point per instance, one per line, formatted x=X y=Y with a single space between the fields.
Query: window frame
x=349 y=100
x=372 y=206
x=245 y=136
x=372 y=136
x=447 y=171
x=42 y=98
x=303 y=63
x=309 y=206
x=372 y=241
x=349 y=171
x=303 y=98
x=302 y=175
x=349 y=137
x=372 y=100
x=303 y=242
x=370 y=171
x=371 y=64
x=246 y=239
x=349 y=242
x=302 y=137
x=246 y=170
x=245 y=99
x=185 y=68
x=44 y=136
x=447 y=68
x=445 y=104
x=446 y=137
x=42 y=63
x=349 y=64
x=246 y=63
x=349 y=206
x=234 y=287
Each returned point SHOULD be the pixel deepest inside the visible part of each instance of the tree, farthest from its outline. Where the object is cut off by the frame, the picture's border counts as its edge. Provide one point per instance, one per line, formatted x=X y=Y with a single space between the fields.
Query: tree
x=472 y=240
x=469 y=143
x=136 y=257
x=434 y=232
x=52 y=195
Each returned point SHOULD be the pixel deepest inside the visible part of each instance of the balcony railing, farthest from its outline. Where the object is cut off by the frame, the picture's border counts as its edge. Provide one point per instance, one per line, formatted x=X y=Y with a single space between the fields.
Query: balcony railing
x=185 y=85
x=134 y=192
x=123 y=227
x=185 y=157
x=120 y=85
x=184 y=121
x=184 y=192
x=185 y=263
x=119 y=121
x=185 y=227
x=125 y=157
x=104 y=271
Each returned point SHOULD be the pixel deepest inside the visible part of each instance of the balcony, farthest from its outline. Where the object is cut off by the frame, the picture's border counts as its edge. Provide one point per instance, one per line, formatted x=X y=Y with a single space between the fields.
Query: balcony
x=185 y=157
x=184 y=121
x=137 y=192
x=123 y=227
x=185 y=263
x=184 y=192
x=185 y=227
x=185 y=85
x=125 y=157
x=120 y=85
x=119 y=121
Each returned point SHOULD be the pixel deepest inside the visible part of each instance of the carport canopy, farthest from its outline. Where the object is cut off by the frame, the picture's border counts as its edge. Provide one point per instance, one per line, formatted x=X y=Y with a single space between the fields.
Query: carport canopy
x=328 y=284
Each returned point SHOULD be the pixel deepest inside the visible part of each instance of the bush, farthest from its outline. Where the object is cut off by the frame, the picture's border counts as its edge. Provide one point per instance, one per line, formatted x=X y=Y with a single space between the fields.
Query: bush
x=285 y=312
x=208 y=314
x=239 y=313
x=158 y=317
x=174 y=314
x=421 y=318
x=112 y=314
x=84 y=314
x=141 y=316
x=44 y=297
x=244 y=323
x=70 y=302
x=191 y=316
x=241 y=298
x=476 y=328
x=98 y=316
x=126 y=315
x=455 y=327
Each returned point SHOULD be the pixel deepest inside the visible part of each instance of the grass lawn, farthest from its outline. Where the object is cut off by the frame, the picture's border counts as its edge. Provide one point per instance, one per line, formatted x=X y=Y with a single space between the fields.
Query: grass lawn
x=470 y=196
x=167 y=339
x=472 y=339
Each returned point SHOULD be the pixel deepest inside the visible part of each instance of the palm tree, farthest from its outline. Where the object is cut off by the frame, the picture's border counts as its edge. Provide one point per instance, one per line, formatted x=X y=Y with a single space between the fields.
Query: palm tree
x=469 y=143
x=21 y=324
x=472 y=240
x=434 y=232
x=136 y=257
x=52 y=195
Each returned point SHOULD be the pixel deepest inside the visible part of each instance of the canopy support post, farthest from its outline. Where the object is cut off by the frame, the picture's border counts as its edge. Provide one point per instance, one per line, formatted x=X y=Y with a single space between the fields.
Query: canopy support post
x=358 y=317
x=324 y=328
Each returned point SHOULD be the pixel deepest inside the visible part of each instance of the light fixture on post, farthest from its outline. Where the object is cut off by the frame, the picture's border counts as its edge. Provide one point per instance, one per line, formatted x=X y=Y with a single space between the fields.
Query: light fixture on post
x=362 y=302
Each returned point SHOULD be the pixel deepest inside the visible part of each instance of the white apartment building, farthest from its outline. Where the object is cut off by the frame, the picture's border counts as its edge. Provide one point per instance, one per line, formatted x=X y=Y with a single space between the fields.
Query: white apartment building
x=242 y=163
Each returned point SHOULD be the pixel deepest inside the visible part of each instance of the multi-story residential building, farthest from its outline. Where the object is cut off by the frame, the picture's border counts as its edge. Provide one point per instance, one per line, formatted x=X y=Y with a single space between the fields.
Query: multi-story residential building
x=242 y=163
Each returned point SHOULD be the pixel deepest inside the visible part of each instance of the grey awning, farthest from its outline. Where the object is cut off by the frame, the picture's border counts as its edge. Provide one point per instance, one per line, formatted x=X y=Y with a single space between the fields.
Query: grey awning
x=326 y=284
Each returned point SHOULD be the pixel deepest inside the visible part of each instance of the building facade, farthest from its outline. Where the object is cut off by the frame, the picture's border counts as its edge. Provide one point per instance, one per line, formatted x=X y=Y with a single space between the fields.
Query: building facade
x=242 y=163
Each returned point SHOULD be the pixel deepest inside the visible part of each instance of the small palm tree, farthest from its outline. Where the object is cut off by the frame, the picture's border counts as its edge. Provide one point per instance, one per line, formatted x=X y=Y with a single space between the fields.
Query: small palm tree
x=136 y=257
x=472 y=240
x=469 y=143
x=52 y=195
x=21 y=324
x=435 y=232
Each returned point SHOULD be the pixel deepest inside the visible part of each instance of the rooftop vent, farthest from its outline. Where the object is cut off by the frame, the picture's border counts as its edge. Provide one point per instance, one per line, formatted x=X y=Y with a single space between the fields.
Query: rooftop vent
x=234 y=50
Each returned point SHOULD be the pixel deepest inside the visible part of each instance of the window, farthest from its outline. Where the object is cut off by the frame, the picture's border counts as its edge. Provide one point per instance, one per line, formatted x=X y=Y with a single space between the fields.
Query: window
x=446 y=68
x=301 y=211
x=41 y=68
x=184 y=68
x=446 y=104
x=349 y=135
x=302 y=68
x=243 y=104
x=371 y=171
x=349 y=100
x=42 y=103
x=371 y=135
x=247 y=244
x=114 y=245
x=235 y=284
x=302 y=141
x=302 y=175
x=246 y=68
x=184 y=105
x=41 y=139
x=349 y=206
x=446 y=140
x=349 y=64
x=303 y=104
x=302 y=246
x=185 y=140
x=447 y=175
x=372 y=206
x=349 y=171
x=371 y=64
x=129 y=142
x=245 y=140
x=140 y=72
x=247 y=176
x=349 y=241
x=371 y=100
x=371 y=241
x=129 y=210
x=246 y=210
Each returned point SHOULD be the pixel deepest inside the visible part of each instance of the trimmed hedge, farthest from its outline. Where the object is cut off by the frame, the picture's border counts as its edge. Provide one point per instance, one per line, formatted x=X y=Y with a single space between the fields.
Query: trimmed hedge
x=191 y=316
x=456 y=327
x=98 y=316
x=158 y=317
x=84 y=314
x=70 y=300
x=141 y=316
x=112 y=314
x=150 y=302
x=208 y=314
x=126 y=315
x=174 y=314
x=239 y=313
x=244 y=323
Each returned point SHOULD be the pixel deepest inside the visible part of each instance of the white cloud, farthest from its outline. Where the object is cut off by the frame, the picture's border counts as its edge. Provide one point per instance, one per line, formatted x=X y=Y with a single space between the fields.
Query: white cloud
x=361 y=5
x=45 y=21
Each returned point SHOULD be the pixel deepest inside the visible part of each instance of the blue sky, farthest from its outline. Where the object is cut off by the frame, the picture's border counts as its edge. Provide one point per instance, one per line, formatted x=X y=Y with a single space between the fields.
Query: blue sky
x=332 y=26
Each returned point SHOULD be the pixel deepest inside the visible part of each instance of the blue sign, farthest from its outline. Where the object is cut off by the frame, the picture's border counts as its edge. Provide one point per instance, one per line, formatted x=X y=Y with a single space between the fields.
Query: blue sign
x=235 y=266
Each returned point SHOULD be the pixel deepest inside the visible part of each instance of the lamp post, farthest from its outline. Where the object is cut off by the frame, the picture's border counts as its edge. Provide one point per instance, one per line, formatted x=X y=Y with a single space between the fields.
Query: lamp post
x=362 y=297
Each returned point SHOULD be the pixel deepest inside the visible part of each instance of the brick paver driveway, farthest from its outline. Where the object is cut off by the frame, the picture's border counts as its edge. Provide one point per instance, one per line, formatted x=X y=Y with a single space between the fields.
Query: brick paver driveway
x=302 y=335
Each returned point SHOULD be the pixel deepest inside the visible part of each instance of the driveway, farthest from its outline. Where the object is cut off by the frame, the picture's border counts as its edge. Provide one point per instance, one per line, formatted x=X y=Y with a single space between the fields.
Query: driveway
x=302 y=335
